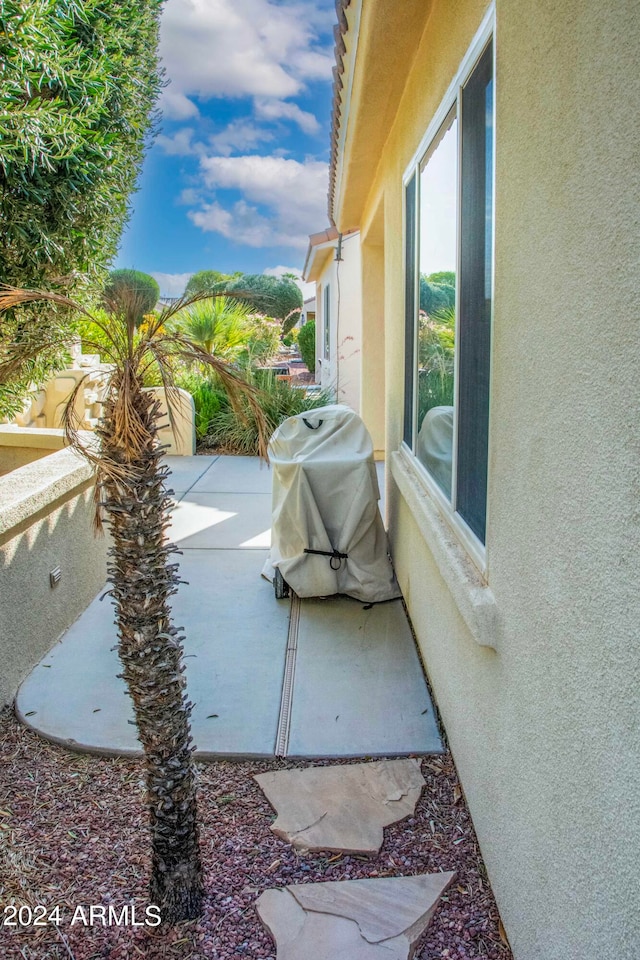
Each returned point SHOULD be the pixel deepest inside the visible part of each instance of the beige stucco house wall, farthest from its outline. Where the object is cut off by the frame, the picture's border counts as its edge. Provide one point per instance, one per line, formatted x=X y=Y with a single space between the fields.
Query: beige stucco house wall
x=338 y=312
x=533 y=650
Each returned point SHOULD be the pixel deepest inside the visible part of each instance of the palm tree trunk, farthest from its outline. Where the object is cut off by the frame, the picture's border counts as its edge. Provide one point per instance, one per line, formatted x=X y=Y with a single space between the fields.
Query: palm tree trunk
x=143 y=579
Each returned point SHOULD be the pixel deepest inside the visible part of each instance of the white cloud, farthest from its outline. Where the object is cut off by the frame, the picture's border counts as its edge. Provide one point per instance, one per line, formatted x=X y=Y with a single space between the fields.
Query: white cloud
x=189 y=197
x=278 y=182
x=293 y=193
x=212 y=218
x=280 y=271
x=312 y=64
x=281 y=110
x=236 y=48
x=244 y=223
x=265 y=50
x=172 y=284
x=175 y=106
x=180 y=144
x=241 y=134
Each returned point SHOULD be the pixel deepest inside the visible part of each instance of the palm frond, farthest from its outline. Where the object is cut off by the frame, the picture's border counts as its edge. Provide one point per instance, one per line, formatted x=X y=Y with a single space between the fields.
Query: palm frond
x=23 y=340
x=16 y=296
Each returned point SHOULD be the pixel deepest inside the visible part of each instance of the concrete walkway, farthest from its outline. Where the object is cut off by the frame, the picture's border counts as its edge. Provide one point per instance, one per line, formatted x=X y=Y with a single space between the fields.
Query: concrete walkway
x=292 y=678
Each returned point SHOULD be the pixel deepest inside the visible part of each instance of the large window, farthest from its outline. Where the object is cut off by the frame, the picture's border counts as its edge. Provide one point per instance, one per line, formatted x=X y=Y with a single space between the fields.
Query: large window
x=448 y=296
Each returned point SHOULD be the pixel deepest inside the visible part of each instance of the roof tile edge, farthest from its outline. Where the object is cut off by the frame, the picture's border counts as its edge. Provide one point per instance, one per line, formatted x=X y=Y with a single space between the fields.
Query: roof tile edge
x=340 y=49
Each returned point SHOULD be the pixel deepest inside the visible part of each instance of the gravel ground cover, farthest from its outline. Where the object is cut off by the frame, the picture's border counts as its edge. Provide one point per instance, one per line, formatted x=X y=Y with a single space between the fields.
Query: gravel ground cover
x=73 y=834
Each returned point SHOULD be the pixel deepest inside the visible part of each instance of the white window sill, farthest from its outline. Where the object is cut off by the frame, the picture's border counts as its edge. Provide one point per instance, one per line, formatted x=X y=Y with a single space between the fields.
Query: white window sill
x=472 y=596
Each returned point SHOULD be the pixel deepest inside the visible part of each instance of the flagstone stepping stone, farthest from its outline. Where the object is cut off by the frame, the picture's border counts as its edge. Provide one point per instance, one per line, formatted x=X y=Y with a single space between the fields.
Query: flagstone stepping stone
x=377 y=919
x=342 y=808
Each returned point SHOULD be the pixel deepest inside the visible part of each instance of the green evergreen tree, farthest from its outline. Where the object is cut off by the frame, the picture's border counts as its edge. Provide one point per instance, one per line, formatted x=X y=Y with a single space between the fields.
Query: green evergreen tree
x=78 y=84
x=277 y=297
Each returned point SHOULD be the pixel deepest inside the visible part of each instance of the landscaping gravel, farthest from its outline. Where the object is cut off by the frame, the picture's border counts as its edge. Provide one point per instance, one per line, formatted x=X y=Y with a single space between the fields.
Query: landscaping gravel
x=73 y=834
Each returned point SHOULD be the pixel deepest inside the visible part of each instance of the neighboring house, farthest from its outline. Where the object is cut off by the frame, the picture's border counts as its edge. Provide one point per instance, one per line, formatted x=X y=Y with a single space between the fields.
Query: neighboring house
x=308 y=314
x=493 y=146
x=333 y=264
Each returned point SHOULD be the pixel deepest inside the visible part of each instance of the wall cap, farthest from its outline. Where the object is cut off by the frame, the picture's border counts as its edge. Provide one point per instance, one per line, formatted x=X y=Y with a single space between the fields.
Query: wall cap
x=45 y=438
x=30 y=489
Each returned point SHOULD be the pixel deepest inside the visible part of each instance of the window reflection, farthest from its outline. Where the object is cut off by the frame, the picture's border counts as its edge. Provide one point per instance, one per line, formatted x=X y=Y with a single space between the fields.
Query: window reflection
x=437 y=317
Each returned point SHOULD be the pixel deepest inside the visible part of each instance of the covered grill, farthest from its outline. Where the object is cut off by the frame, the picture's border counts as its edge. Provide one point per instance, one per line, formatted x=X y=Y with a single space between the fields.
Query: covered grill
x=327 y=532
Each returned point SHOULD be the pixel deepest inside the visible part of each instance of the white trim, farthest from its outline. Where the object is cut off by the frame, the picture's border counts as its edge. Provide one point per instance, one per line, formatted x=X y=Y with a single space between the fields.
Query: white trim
x=416 y=297
x=493 y=291
x=448 y=507
x=456 y=351
x=416 y=308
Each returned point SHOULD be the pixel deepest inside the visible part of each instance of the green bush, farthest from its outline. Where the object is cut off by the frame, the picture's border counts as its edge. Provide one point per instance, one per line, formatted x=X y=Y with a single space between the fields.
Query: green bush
x=205 y=281
x=79 y=83
x=239 y=434
x=435 y=297
x=208 y=398
x=447 y=277
x=278 y=297
x=307 y=345
x=263 y=341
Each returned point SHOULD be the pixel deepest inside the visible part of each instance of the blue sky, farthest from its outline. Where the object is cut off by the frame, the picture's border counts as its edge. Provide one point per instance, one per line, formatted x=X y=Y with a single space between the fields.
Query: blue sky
x=238 y=176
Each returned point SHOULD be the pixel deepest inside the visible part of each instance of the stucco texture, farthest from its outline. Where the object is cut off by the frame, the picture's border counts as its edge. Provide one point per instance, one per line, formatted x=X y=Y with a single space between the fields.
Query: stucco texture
x=45 y=522
x=545 y=730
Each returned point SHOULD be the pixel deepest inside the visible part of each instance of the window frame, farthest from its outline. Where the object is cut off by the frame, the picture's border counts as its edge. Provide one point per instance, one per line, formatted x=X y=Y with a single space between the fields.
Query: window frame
x=476 y=549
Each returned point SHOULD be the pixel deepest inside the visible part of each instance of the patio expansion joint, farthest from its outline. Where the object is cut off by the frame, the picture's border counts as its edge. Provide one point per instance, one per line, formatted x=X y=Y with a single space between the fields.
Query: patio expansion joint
x=198 y=478
x=286 y=702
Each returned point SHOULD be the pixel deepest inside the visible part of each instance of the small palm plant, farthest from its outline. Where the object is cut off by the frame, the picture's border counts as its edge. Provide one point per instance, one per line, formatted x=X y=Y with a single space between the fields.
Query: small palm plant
x=133 y=499
x=217 y=325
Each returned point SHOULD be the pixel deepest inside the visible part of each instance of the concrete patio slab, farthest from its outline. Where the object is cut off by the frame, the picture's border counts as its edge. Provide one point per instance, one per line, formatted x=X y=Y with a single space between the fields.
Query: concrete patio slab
x=234 y=666
x=344 y=808
x=236 y=475
x=356 y=689
x=377 y=919
x=359 y=688
x=185 y=471
x=222 y=521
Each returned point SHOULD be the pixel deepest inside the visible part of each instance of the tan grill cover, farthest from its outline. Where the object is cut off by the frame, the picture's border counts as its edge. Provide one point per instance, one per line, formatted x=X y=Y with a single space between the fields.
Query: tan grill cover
x=325 y=497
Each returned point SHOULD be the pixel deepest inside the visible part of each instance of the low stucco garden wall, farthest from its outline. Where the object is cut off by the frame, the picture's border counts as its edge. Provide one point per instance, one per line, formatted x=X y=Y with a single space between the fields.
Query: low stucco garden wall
x=19 y=446
x=46 y=512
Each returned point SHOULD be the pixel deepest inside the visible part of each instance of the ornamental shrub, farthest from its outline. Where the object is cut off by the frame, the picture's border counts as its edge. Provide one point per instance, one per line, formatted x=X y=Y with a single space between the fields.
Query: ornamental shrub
x=237 y=432
x=208 y=398
x=206 y=281
x=278 y=297
x=307 y=345
x=435 y=296
x=78 y=84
